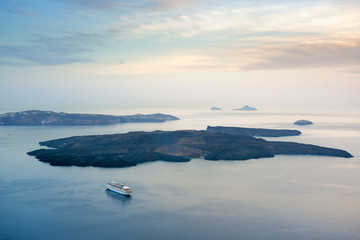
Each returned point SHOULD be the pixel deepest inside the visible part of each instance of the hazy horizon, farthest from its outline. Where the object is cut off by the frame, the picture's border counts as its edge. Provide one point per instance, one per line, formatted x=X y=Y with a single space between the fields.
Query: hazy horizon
x=76 y=56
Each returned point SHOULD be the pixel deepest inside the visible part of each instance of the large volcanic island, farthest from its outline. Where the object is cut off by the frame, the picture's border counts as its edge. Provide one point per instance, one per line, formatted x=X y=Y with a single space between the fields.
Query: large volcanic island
x=130 y=149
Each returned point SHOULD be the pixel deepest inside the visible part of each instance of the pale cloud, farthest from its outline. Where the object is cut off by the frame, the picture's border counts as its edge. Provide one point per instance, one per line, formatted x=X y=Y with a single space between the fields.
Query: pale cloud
x=321 y=54
x=116 y=5
x=269 y=37
x=336 y=54
x=322 y=19
x=16 y=7
x=51 y=50
x=29 y=56
x=171 y=4
x=312 y=54
x=228 y=37
x=128 y=53
x=162 y=64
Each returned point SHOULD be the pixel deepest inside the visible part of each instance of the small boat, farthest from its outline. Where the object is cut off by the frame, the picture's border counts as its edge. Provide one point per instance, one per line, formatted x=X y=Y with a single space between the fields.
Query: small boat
x=119 y=188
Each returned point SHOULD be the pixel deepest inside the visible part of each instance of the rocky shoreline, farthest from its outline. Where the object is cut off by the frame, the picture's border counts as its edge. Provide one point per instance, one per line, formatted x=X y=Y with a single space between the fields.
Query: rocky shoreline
x=253 y=132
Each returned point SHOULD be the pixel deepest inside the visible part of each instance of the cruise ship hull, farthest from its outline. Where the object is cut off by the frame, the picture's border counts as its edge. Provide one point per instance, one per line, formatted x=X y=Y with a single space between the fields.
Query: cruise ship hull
x=117 y=190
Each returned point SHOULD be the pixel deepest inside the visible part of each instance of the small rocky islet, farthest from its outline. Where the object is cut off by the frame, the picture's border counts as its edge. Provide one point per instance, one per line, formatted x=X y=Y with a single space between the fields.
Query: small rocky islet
x=245 y=108
x=303 y=122
x=214 y=143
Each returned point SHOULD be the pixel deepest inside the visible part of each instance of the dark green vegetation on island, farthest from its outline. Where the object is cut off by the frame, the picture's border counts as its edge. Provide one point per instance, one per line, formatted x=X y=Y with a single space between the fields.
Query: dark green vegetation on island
x=253 y=132
x=36 y=117
x=130 y=149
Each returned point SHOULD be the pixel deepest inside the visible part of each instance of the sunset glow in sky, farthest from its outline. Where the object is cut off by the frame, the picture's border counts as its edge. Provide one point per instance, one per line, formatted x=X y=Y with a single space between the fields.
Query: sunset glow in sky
x=59 y=54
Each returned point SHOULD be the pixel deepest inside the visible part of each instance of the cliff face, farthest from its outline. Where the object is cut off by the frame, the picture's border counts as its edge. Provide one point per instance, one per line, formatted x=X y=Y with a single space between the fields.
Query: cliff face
x=35 y=117
x=253 y=132
x=130 y=149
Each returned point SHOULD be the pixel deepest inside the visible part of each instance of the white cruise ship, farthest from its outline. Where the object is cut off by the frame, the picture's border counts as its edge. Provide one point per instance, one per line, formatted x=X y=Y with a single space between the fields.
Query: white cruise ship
x=119 y=188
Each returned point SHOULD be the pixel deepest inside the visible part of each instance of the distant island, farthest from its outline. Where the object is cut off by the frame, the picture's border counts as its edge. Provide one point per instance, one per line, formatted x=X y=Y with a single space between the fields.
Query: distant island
x=215 y=108
x=246 y=108
x=303 y=122
x=130 y=149
x=36 y=117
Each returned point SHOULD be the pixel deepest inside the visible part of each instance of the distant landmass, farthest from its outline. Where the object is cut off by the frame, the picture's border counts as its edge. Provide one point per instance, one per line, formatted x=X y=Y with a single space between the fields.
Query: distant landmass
x=36 y=117
x=303 y=122
x=246 y=108
x=130 y=149
x=215 y=108
x=253 y=132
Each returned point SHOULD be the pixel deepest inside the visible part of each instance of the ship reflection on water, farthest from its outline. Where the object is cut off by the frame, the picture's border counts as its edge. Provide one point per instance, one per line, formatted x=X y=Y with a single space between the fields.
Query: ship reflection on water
x=118 y=197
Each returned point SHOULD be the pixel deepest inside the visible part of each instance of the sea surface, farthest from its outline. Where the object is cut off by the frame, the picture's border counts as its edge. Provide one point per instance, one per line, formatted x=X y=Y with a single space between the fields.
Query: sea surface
x=285 y=197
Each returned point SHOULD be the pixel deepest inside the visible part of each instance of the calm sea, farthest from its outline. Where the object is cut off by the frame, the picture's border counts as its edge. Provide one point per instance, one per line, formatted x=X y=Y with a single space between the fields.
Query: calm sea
x=286 y=197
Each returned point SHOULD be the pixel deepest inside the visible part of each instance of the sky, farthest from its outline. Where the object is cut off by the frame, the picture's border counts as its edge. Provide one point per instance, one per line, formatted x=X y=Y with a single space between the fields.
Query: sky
x=82 y=55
